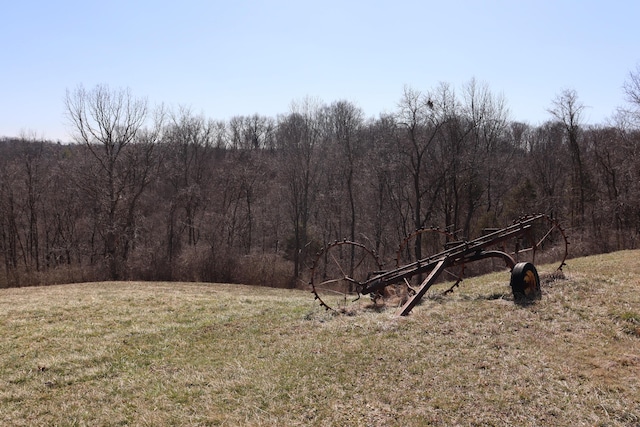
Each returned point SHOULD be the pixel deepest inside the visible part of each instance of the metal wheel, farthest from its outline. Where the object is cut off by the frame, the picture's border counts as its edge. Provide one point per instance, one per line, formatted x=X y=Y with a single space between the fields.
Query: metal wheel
x=338 y=273
x=525 y=282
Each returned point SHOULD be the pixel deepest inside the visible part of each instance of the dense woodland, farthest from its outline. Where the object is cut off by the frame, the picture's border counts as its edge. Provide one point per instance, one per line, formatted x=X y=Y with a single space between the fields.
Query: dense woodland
x=148 y=194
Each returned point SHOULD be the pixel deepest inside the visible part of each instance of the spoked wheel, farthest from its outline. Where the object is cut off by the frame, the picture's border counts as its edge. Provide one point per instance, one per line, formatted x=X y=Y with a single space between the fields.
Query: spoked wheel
x=338 y=273
x=525 y=282
x=544 y=243
x=422 y=244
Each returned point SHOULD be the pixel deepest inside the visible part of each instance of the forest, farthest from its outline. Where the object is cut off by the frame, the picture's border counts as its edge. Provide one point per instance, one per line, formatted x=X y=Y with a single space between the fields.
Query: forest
x=143 y=193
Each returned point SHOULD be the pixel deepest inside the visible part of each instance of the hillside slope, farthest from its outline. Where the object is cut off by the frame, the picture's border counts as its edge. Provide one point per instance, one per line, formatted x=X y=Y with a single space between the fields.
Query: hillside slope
x=208 y=354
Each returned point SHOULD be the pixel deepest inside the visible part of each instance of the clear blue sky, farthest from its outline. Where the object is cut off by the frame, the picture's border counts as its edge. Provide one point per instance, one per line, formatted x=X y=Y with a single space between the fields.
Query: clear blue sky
x=239 y=57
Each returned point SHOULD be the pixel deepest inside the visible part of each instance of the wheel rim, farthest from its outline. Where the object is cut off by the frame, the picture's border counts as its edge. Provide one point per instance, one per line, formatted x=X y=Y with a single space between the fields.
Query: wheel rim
x=338 y=273
x=530 y=284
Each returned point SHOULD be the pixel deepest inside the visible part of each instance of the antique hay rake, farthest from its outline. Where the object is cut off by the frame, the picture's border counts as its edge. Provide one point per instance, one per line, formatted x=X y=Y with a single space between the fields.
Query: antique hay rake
x=344 y=271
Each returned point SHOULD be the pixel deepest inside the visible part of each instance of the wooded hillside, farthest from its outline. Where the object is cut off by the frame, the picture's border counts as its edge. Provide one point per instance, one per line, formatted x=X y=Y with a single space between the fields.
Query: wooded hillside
x=148 y=194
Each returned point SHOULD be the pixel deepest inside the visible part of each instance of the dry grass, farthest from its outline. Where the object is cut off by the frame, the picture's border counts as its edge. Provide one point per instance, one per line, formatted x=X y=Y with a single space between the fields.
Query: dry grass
x=199 y=354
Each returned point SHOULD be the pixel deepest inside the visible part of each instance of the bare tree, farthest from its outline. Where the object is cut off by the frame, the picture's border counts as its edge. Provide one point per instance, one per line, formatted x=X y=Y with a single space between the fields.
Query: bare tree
x=387 y=215
x=9 y=217
x=632 y=87
x=486 y=153
x=110 y=124
x=299 y=136
x=548 y=157
x=23 y=183
x=567 y=109
x=421 y=117
x=252 y=132
x=189 y=151
x=346 y=120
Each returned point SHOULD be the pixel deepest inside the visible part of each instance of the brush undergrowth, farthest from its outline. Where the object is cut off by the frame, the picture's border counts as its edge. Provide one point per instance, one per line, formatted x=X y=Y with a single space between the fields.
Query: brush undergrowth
x=206 y=354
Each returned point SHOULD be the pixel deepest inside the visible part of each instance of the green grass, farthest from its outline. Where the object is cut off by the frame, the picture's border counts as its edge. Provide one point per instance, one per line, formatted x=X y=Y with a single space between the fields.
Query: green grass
x=207 y=354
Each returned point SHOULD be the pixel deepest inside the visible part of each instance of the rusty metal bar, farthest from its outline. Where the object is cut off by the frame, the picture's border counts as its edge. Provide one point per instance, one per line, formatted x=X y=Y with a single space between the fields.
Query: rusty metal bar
x=426 y=284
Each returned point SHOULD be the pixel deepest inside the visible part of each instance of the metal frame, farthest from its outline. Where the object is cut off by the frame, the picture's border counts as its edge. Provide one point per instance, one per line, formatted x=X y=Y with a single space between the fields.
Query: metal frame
x=458 y=253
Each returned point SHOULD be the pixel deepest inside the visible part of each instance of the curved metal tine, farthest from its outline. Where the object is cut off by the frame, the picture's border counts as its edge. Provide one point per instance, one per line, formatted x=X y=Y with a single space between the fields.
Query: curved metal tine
x=327 y=282
x=406 y=282
x=333 y=291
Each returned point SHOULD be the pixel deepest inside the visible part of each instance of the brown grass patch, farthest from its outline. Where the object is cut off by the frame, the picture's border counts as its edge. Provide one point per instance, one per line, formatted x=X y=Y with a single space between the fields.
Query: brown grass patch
x=201 y=354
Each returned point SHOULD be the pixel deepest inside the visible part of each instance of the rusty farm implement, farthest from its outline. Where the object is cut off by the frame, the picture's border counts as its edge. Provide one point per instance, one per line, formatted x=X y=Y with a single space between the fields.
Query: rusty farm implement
x=345 y=271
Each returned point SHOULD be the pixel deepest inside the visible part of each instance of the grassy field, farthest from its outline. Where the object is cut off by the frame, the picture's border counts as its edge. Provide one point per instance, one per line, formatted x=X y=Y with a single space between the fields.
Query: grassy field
x=208 y=354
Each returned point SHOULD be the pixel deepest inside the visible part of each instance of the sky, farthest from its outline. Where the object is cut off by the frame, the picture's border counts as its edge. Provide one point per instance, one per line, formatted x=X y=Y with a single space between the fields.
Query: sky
x=239 y=57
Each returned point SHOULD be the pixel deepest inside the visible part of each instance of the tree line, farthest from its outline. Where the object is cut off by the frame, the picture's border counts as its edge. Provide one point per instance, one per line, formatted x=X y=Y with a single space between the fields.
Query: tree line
x=148 y=194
